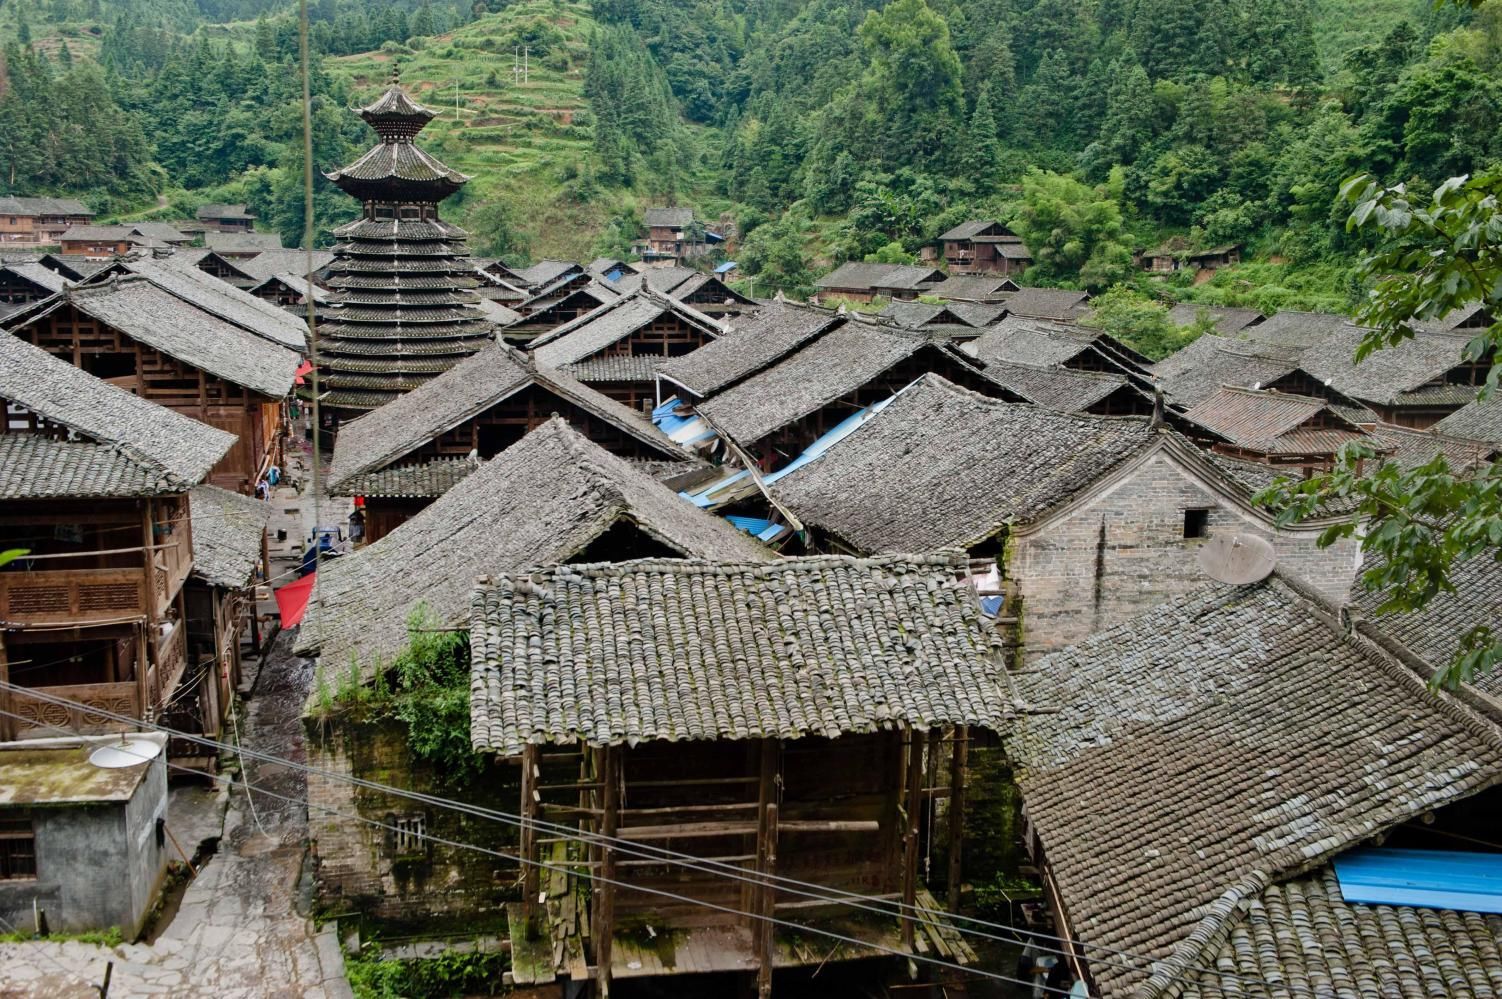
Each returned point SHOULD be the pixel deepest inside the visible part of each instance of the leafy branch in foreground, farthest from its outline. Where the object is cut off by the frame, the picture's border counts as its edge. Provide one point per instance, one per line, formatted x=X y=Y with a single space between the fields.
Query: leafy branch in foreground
x=1418 y=527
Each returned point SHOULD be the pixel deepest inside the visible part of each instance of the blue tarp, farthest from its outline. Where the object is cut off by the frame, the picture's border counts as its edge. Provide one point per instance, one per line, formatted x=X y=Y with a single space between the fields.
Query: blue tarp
x=725 y=268
x=1430 y=879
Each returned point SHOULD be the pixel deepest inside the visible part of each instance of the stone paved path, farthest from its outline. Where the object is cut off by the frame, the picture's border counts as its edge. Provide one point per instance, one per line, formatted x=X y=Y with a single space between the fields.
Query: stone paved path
x=237 y=934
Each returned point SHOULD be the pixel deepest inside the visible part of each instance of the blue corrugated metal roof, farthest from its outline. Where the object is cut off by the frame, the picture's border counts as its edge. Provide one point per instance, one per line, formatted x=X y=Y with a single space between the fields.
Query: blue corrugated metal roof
x=1430 y=879
x=726 y=267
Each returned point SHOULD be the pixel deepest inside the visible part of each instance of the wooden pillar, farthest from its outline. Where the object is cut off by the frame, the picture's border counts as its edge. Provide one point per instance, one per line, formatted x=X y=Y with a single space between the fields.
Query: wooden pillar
x=957 y=763
x=7 y=723
x=911 y=828
x=604 y=917
x=762 y=930
x=530 y=798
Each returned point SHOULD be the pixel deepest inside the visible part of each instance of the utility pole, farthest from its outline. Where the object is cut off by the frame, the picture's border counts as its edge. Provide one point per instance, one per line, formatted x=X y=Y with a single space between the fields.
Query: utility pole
x=526 y=64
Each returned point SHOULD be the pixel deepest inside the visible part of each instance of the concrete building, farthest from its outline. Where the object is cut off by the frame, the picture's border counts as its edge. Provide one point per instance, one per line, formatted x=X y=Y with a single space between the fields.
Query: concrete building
x=82 y=843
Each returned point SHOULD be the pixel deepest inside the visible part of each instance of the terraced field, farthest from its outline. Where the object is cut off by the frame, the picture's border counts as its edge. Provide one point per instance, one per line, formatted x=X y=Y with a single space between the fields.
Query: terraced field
x=521 y=140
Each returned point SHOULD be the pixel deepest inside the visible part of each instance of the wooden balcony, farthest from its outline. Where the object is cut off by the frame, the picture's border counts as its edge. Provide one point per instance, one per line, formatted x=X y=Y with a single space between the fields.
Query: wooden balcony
x=43 y=719
x=69 y=596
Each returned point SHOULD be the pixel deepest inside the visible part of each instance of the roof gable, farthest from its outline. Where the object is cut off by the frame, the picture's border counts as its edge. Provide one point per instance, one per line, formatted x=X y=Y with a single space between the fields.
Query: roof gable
x=942 y=466
x=559 y=492
x=750 y=346
x=224 y=300
x=612 y=323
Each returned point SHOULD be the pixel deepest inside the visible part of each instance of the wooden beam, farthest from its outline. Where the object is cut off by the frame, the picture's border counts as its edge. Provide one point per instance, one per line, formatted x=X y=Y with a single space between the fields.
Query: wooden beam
x=911 y=829
x=529 y=828
x=604 y=915
x=957 y=766
x=765 y=901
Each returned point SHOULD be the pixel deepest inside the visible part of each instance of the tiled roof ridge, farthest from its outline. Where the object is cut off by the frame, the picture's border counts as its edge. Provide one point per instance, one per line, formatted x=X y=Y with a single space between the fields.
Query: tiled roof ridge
x=935 y=380
x=1265 y=393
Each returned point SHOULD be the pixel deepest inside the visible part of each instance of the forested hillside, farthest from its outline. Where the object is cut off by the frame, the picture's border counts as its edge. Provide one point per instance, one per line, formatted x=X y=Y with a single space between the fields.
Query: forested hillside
x=825 y=129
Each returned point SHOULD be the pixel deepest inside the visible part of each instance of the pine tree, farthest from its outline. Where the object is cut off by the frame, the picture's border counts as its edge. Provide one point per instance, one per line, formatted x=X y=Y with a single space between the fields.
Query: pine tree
x=983 y=148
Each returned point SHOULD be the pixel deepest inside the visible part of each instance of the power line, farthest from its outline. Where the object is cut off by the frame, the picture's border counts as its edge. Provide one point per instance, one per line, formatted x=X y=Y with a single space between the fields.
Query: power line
x=566 y=869
x=646 y=851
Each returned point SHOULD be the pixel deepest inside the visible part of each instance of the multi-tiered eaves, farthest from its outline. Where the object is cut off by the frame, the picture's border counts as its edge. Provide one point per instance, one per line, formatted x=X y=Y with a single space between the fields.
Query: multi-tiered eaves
x=401 y=311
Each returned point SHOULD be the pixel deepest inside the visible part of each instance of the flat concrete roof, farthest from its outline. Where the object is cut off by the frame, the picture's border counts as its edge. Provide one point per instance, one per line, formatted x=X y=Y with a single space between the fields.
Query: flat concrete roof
x=44 y=772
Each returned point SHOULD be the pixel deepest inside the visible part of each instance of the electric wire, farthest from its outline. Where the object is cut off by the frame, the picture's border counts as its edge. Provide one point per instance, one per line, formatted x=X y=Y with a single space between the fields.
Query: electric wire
x=815 y=892
x=565 y=868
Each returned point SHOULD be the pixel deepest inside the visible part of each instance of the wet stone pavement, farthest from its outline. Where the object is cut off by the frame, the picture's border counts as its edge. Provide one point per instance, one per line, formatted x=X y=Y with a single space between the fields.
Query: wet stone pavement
x=238 y=933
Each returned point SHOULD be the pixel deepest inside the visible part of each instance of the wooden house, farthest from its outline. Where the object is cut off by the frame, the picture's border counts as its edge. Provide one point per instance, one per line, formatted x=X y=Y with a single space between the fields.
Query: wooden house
x=617 y=348
x=1415 y=383
x=95 y=491
x=775 y=414
x=226 y=218
x=289 y=292
x=101 y=241
x=705 y=292
x=981 y=246
x=859 y=282
x=989 y=288
x=23 y=282
x=403 y=456
x=39 y=221
x=672 y=237
x=1325 y=741
x=1019 y=340
x=229 y=556
x=1177 y=255
x=1277 y=428
x=268 y=263
x=1059 y=305
x=137 y=336
x=793 y=770
x=553 y=496
x=1088 y=520
x=776 y=330
x=556 y=303
x=1194 y=373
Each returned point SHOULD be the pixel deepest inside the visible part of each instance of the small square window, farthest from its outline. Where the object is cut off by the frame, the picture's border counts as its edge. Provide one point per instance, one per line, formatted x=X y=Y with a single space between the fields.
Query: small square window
x=408 y=834
x=18 y=854
x=1197 y=523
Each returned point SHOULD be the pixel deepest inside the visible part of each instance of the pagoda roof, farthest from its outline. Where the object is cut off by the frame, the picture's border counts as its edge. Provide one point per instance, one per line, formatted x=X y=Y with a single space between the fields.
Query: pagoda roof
x=395 y=105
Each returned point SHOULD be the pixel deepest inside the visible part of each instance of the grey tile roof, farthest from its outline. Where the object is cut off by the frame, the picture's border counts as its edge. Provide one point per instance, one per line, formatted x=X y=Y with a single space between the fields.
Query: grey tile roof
x=498 y=313
x=42 y=206
x=777 y=329
x=542 y=500
x=612 y=322
x=1048 y=303
x=1228 y=738
x=381 y=437
x=942 y=466
x=671 y=217
x=1064 y=389
x=858 y=276
x=129 y=446
x=423 y=480
x=37 y=274
x=1041 y=343
x=1410 y=448
x=1481 y=421
x=1434 y=633
x=164 y=322
x=1197 y=371
x=1393 y=375
x=1227 y=321
x=836 y=364
x=1274 y=421
x=616 y=368
x=242 y=242
x=1295 y=329
x=1302 y=937
x=161 y=232
x=968 y=230
x=102 y=234
x=225 y=301
x=973 y=288
x=547 y=271
x=270 y=262
x=297 y=284
x=228 y=529
x=691 y=650
x=226 y=212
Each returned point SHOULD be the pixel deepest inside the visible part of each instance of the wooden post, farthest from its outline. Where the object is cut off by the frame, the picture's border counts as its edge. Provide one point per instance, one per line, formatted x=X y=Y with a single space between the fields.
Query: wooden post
x=957 y=762
x=765 y=904
x=7 y=723
x=910 y=835
x=528 y=830
x=604 y=917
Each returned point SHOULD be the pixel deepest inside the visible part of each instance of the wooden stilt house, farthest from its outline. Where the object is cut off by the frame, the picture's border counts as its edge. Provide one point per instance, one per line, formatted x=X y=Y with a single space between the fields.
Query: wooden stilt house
x=781 y=719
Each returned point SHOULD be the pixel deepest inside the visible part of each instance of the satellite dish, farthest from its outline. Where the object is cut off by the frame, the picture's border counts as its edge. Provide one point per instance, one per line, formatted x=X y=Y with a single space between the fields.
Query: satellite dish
x=125 y=753
x=1237 y=558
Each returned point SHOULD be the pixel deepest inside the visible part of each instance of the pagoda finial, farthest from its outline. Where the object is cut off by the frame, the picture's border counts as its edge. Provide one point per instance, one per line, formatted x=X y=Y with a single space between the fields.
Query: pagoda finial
x=396 y=73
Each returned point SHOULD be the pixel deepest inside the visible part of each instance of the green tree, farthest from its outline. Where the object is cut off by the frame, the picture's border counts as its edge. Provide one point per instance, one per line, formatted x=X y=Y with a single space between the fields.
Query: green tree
x=1425 y=525
x=1075 y=231
x=774 y=254
x=983 y=148
x=495 y=234
x=911 y=93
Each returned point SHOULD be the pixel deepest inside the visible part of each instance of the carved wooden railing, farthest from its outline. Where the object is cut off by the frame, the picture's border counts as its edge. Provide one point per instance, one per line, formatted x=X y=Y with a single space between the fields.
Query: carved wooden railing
x=69 y=595
x=40 y=717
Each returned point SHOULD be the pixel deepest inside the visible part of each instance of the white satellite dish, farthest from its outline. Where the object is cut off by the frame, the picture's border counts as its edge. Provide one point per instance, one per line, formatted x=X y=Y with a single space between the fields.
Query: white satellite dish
x=125 y=753
x=1237 y=558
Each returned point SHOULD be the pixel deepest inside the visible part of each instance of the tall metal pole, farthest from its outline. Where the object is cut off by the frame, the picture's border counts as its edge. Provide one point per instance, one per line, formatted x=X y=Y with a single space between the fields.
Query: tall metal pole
x=307 y=242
